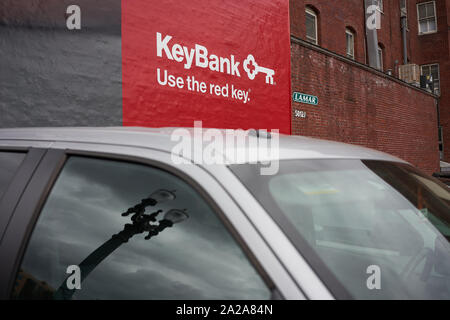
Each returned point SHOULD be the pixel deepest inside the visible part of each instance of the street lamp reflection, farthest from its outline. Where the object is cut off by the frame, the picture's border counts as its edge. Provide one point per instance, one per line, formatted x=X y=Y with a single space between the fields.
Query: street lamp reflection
x=163 y=195
x=140 y=223
x=176 y=216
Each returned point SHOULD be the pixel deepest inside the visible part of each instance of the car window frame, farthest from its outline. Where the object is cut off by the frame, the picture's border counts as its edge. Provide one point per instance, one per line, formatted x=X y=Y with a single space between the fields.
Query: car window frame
x=18 y=183
x=24 y=217
x=59 y=159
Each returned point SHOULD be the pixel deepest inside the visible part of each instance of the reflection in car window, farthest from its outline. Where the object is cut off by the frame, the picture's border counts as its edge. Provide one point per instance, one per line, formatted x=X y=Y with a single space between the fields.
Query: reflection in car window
x=92 y=200
x=9 y=163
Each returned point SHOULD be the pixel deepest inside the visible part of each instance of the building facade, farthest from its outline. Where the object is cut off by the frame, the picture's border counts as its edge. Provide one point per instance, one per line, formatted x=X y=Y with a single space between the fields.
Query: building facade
x=360 y=85
x=382 y=108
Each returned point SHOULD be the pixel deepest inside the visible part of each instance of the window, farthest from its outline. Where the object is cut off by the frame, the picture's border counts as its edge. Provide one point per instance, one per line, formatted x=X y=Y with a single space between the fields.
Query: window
x=195 y=258
x=345 y=215
x=311 y=26
x=350 y=39
x=9 y=163
x=380 y=57
x=426 y=13
x=432 y=70
x=404 y=10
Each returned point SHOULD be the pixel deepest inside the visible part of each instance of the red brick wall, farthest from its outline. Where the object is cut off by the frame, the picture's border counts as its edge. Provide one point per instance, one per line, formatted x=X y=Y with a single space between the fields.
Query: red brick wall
x=334 y=17
x=434 y=48
x=361 y=106
x=390 y=36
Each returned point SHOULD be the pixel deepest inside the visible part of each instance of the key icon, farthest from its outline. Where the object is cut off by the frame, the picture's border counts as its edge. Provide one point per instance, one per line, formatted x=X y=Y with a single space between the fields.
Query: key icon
x=252 y=69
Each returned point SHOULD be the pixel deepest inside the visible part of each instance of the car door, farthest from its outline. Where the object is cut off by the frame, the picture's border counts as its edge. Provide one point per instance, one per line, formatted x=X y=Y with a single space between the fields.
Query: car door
x=80 y=202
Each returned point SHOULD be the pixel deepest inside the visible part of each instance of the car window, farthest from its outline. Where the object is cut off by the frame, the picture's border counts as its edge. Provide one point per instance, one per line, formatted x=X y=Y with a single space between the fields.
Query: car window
x=9 y=163
x=352 y=219
x=92 y=232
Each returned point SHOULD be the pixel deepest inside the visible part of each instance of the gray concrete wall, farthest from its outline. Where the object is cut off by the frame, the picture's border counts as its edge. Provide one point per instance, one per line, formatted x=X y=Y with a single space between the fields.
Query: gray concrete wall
x=52 y=76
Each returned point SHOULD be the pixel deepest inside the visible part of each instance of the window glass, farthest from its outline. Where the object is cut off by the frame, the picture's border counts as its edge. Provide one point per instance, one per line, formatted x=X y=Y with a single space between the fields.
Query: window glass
x=423 y=26
x=380 y=57
x=432 y=71
x=311 y=26
x=356 y=215
x=431 y=24
x=422 y=11
x=194 y=258
x=430 y=9
x=350 y=43
x=9 y=163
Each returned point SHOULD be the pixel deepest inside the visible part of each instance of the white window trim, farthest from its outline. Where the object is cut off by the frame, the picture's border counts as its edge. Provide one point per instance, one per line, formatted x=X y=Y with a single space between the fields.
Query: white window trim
x=418 y=19
x=439 y=73
x=311 y=12
x=350 y=32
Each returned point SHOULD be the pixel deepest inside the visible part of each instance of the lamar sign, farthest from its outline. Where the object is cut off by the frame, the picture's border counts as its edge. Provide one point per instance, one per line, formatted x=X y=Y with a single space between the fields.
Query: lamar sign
x=305 y=98
x=221 y=62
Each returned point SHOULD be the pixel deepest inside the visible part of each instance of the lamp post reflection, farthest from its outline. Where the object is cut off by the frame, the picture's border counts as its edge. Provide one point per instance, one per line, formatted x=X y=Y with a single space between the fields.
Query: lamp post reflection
x=141 y=223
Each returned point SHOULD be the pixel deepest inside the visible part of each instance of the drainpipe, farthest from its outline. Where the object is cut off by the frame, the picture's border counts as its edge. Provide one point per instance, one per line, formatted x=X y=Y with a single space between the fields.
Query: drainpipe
x=405 y=49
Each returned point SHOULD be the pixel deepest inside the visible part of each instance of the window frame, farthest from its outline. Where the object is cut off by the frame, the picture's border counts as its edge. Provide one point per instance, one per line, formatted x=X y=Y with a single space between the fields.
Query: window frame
x=348 y=31
x=439 y=75
x=418 y=18
x=13 y=191
x=314 y=14
x=16 y=151
x=24 y=217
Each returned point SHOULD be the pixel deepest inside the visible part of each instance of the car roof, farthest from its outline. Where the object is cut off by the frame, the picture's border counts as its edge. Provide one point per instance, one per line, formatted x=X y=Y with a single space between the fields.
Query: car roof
x=290 y=147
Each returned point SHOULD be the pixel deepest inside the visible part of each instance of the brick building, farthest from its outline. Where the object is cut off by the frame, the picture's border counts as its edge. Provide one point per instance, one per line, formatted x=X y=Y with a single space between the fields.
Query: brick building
x=359 y=104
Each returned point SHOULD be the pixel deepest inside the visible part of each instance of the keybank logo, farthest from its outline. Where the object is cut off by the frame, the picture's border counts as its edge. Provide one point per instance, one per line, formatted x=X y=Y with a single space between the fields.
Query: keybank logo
x=199 y=56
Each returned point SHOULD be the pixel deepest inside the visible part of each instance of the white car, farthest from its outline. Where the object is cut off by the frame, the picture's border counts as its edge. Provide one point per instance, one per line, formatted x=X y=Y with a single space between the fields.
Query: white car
x=106 y=213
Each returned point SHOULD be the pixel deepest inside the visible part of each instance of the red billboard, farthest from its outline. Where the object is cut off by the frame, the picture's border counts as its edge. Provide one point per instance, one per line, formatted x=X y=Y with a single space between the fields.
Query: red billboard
x=225 y=62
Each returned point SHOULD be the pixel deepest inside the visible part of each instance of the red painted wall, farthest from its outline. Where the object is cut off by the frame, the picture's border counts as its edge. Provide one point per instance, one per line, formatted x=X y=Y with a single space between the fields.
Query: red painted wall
x=360 y=106
x=228 y=29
